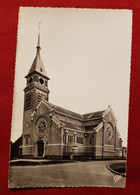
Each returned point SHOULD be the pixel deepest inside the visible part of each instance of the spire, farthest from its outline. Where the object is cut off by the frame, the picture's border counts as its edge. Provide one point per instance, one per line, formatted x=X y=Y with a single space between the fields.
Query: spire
x=37 y=65
x=38 y=42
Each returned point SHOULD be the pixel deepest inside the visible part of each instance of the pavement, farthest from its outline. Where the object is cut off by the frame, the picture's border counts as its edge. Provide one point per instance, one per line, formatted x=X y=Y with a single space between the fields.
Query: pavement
x=88 y=174
x=25 y=162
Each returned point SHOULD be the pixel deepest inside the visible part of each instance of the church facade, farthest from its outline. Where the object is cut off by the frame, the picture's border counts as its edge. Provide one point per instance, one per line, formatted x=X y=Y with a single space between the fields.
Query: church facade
x=53 y=132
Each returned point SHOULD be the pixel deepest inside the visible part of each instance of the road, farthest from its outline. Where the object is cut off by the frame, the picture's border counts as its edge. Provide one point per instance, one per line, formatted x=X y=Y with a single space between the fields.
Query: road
x=92 y=173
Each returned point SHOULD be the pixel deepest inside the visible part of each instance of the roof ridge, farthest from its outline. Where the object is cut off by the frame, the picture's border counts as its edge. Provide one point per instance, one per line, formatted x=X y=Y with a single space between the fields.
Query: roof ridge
x=64 y=108
x=72 y=112
x=94 y=112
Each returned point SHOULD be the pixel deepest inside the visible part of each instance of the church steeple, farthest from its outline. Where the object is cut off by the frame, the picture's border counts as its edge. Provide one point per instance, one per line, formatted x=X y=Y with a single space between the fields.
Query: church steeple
x=37 y=65
x=37 y=81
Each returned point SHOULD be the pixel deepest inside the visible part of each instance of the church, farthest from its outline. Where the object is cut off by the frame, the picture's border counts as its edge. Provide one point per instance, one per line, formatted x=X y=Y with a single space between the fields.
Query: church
x=50 y=131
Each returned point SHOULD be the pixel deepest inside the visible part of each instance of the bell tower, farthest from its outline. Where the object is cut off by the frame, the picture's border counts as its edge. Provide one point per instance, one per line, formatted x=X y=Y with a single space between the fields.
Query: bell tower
x=37 y=82
x=36 y=89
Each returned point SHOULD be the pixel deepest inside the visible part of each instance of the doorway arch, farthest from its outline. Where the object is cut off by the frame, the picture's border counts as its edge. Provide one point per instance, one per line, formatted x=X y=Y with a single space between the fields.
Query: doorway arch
x=40 y=147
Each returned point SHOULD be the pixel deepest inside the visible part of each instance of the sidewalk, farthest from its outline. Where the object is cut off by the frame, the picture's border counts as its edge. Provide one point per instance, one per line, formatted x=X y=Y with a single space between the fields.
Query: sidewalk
x=38 y=161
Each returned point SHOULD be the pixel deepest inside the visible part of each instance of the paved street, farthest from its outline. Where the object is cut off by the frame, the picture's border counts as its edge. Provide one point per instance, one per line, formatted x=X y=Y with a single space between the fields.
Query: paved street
x=92 y=173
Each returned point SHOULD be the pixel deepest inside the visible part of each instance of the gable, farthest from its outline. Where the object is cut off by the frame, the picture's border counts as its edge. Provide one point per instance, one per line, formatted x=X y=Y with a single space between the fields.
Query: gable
x=41 y=108
x=108 y=116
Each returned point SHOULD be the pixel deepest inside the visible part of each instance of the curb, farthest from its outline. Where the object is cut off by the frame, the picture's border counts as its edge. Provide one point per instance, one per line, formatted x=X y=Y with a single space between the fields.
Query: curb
x=113 y=171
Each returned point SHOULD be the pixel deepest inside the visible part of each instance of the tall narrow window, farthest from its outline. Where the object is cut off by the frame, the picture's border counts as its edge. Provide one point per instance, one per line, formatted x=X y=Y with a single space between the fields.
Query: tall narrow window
x=74 y=138
x=70 y=138
x=90 y=140
x=28 y=101
x=64 y=138
x=46 y=84
x=26 y=140
x=38 y=98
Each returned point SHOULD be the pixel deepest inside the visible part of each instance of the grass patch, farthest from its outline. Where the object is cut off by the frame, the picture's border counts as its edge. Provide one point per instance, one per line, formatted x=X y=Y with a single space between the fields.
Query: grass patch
x=118 y=168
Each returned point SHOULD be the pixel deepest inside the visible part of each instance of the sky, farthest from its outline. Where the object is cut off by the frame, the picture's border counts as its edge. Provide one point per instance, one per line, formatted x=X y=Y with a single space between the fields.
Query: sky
x=86 y=54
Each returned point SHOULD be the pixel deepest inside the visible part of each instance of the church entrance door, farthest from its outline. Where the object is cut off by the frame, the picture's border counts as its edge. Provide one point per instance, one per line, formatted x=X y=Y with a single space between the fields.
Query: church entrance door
x=40 y=145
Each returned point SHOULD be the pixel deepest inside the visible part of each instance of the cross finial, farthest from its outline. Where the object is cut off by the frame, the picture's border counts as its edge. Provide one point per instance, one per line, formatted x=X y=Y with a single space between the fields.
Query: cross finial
x=38 y=43
x=39 y=23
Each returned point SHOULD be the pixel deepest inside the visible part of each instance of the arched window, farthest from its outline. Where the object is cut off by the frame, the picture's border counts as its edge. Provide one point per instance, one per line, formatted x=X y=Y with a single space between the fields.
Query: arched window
x=30 y=80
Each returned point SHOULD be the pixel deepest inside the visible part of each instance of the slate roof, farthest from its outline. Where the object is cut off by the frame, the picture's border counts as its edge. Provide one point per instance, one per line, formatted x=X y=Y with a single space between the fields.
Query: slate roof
x=93 y=115
x=73 y=126
x=37 y=65
x=65 y=111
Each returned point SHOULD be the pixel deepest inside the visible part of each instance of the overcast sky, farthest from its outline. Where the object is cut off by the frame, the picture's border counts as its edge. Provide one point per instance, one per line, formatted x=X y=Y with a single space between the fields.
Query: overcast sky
x=86 y=54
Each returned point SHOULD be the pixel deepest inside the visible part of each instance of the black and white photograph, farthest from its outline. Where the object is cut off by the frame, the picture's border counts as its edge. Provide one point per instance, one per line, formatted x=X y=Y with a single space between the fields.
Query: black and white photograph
x=71 y=98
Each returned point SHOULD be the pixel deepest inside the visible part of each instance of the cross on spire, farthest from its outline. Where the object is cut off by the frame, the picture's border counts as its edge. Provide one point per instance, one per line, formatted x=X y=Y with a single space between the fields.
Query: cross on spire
x=38 y=42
